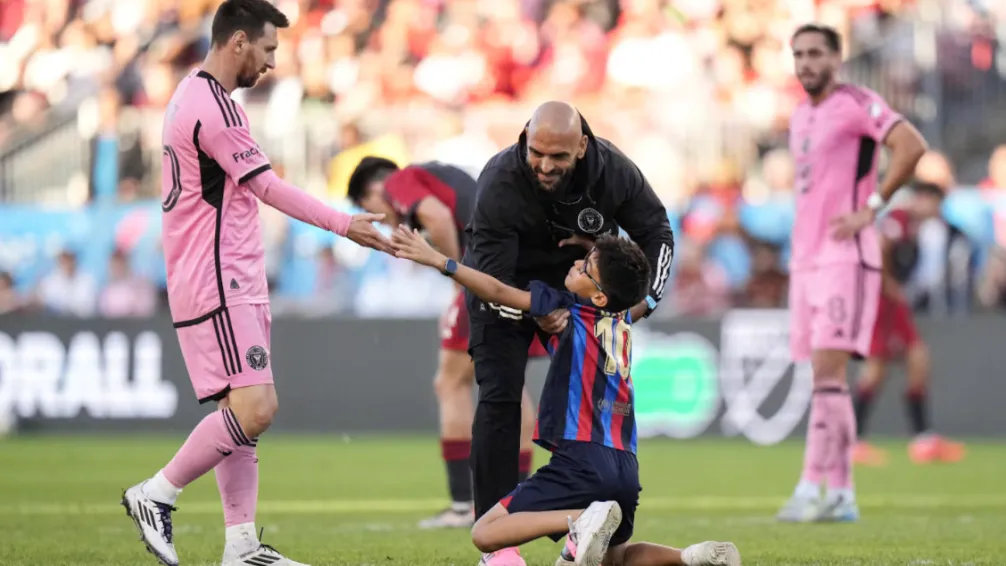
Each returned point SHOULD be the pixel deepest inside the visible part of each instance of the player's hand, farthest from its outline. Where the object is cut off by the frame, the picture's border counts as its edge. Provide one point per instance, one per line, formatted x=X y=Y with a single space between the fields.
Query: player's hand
x=848 y=225
x=363 y=232
x=410 y=244
x=585 y=242
x=554 y=322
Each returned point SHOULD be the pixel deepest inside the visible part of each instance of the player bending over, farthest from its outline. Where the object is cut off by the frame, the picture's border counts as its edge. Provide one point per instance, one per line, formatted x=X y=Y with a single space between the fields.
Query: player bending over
x=590 y=487
x=895 y=338
x=213 y=175
x=439 y=199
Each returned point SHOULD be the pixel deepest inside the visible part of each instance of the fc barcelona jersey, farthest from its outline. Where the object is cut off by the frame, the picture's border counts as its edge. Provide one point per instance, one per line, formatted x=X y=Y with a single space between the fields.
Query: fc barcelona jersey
x=588 y=394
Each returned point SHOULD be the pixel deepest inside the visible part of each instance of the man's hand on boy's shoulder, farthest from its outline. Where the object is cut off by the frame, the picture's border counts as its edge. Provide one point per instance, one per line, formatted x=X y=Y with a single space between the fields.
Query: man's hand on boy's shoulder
x=554 y=322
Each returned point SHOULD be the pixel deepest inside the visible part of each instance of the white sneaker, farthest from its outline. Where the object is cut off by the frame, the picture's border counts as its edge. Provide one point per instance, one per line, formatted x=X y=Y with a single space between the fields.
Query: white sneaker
x=839 y=509
x=711 y=553
x=589 y=536
x=451 y=518
x=264 y=555
x=800 y=510
x=153 y=521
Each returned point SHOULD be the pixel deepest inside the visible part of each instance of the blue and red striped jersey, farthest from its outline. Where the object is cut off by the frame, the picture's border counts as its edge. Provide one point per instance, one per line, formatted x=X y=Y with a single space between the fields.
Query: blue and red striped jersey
x=588 y=394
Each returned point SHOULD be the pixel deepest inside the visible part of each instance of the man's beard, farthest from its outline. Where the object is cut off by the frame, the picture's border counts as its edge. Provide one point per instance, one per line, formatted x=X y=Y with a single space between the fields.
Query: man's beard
x=561 y=185
x=247 y=80
x=824 y=79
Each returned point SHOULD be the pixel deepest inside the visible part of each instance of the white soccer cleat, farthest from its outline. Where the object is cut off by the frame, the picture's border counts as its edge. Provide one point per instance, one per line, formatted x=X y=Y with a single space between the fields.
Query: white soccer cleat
x=264 y=555
x=711 y=553
x=590 y=534
x=838 y=510
x=450 y=518
x=153 y=520
x=800 y=510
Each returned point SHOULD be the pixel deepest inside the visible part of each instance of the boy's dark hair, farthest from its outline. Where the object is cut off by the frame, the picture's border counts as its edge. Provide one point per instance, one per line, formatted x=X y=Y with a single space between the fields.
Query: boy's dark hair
x=249 y=16
x=623 y=270
x=831 y=36
x=370 y=169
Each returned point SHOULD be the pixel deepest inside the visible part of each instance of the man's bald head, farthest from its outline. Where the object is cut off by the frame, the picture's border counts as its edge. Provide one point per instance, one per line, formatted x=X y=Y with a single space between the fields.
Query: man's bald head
x=555 y=142
x=557 y=118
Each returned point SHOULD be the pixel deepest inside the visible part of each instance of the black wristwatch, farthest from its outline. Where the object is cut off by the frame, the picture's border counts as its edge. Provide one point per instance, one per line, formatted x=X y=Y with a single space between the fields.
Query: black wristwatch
x=450 y=267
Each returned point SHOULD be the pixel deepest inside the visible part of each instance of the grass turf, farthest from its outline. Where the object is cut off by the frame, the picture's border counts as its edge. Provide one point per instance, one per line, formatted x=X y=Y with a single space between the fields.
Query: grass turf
x=330 y=500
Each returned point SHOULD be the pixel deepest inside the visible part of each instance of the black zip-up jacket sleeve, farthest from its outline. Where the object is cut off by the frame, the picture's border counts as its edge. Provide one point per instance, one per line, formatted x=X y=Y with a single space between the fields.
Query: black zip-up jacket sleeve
x=644 y=219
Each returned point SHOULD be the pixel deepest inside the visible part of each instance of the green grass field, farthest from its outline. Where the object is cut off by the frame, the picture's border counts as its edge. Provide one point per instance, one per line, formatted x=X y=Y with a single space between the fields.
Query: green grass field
x=341 y=501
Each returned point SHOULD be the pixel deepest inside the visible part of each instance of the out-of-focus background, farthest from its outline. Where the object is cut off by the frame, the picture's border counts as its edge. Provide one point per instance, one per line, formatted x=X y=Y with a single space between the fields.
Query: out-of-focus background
x=697 y=92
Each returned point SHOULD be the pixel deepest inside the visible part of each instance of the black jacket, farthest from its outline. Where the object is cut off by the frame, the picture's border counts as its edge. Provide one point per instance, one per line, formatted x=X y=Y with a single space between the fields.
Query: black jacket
x=515 y=230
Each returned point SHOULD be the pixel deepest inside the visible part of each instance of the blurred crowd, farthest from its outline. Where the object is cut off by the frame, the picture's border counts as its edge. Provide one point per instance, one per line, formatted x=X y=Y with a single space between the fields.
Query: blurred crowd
x=696 y=92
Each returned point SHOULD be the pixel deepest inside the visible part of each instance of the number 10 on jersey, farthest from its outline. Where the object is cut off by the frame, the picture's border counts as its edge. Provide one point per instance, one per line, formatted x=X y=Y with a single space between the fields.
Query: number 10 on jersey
x=616 y=341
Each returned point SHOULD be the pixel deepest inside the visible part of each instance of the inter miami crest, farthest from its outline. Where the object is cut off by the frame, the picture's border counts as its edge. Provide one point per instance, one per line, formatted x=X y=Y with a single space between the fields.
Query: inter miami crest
x=590 y=221
x=257 y=358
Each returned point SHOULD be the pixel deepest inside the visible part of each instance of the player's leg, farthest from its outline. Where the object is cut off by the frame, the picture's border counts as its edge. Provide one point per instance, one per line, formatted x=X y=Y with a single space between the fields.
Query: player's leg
x=849 y=306
x=255 y=403
x=453 y=388
x=871 y=380
x=803 y=504
x=499 y=350
x=709 y=553
x=499 y=529
x=926 y=446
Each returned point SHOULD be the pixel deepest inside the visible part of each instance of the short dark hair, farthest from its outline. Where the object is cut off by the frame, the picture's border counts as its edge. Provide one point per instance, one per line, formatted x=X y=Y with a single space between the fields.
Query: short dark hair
x=831 y=36
x=249 y=16
x=370 y=169
x=623 y=270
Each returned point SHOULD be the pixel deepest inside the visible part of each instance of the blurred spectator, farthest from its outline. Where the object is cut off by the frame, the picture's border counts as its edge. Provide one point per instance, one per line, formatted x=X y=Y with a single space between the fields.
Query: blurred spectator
x=997 y=170
x=699 y=287
x=698 y=92
x=334 y=292
x=943 y=280
x=10 y=302
x=768 y=286
x=935 y=169
x=126 y=295
x=775 y=183
x=68 y=291
x=991 y=292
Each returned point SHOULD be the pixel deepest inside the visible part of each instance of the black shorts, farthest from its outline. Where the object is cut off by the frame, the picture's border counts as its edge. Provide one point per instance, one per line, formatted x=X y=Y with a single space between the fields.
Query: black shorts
x=578 y=474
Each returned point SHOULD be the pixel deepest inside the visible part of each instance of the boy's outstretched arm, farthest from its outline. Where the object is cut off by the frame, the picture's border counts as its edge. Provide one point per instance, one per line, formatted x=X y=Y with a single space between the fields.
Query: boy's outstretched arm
x=410 y=245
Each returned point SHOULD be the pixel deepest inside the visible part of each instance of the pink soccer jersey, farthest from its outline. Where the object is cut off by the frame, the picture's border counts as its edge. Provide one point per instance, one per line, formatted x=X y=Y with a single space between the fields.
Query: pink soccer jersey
x=835 y=145
x=210 y=227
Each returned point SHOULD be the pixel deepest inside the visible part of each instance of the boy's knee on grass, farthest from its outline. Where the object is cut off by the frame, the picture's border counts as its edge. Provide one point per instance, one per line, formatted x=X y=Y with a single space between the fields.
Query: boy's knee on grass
x=484 y=535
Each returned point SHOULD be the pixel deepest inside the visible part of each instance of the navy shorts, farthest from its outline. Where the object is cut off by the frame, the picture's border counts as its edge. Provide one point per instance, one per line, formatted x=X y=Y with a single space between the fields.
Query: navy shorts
x=578 y=474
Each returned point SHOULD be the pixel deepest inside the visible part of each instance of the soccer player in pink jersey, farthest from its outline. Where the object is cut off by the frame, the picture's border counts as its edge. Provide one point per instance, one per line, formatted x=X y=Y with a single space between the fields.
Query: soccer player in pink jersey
x=213 y=175
x=835 y=136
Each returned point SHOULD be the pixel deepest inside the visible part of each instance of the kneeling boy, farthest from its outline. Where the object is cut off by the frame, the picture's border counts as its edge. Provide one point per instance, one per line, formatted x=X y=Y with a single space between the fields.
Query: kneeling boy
x=590 y=487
